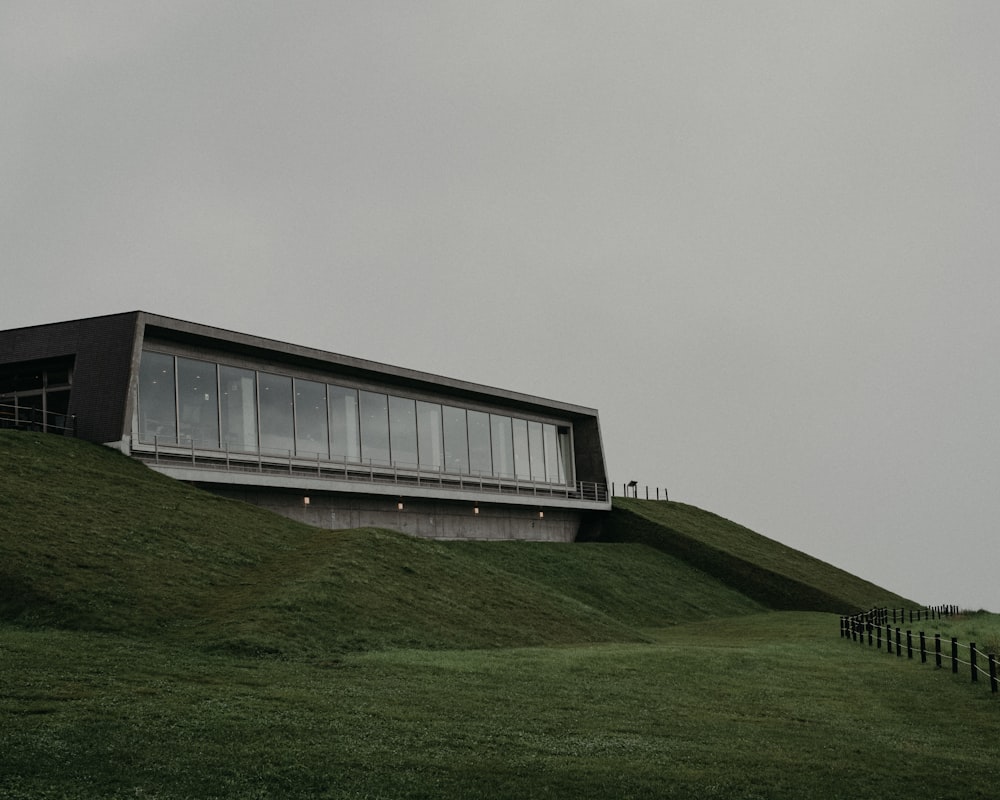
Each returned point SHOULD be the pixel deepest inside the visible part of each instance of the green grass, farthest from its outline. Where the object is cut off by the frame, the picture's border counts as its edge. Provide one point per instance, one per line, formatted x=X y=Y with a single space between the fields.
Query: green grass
x=775 y=575
x=762 y=706
x=156 y=641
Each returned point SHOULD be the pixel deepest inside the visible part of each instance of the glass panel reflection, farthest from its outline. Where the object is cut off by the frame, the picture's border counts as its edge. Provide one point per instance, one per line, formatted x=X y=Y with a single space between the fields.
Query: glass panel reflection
x=403 y=431
x=157 y=399
x=197 y=402
x=311 y=426
x=522 y=460
x=345 y=439
x=456 y=439
x=503 y=446
x=480 y=451
x=429 y=435
x=277 y=433
x=374 y=427
x=238 y=407
x=536 y=449
x=552 y=460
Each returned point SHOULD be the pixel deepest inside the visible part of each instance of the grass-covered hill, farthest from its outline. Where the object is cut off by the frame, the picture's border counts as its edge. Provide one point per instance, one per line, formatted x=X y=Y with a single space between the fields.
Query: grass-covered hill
x=92 y=540
x=157 y=641
x=777 y=576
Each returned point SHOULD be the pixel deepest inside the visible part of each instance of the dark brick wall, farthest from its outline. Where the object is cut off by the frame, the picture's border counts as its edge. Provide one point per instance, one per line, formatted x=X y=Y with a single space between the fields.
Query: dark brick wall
x=102 y=347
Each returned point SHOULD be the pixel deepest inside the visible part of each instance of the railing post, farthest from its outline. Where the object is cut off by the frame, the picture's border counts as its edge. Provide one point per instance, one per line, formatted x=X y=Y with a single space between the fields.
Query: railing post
x=954 y=655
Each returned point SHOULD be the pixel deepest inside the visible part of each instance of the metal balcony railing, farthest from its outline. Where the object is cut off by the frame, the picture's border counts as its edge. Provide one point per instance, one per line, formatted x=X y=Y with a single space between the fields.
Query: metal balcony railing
x=34 y=419
x=286 y=462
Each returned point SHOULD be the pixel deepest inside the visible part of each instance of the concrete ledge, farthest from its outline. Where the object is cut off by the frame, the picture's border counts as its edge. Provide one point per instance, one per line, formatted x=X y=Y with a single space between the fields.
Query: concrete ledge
x=315 y=486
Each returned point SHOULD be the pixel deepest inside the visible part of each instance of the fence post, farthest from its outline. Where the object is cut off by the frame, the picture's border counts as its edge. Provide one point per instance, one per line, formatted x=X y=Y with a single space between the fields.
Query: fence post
x=954 y=655
x=972 y=662
x=937 y=649
x=923 y=649
x=878 y=630
x=993 y=673
x=909 y=644
x=888 y=639
x=899 y=647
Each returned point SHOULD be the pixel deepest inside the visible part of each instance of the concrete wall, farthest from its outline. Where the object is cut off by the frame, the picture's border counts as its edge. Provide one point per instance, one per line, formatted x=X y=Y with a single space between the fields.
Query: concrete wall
x=102 y=349
x=430 y=519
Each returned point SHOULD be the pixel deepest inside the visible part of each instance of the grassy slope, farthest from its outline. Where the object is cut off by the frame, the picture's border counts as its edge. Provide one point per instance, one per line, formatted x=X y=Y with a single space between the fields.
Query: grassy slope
x=90 y=539
x=768 y=571
x=129 y=605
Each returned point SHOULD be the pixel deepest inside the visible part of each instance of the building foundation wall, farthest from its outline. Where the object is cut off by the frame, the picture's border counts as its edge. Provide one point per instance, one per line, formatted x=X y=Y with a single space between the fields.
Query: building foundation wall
x=428 y=519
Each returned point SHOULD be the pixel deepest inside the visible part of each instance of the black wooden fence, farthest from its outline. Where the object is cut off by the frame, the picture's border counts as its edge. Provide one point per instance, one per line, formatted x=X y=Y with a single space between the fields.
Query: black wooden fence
x=869 y=627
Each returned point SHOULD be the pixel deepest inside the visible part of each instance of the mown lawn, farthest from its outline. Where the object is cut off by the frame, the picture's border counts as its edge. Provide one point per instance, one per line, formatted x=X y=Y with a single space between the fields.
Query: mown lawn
x=763 y=706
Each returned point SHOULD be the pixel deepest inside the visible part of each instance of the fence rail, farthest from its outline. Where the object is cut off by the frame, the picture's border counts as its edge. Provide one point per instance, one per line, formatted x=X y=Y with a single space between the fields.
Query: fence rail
x=286 y=462
x=19 y=417
x=869 y=625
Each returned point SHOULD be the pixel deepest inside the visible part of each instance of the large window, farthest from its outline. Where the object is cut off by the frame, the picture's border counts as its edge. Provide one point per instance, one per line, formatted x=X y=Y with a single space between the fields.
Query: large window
x=403 y=431
x=429 y=435
x=311 y=422
x=375 y=427
x=480 y=450
x=191 y=401
x=536 y=449
x=277 y=419
x=238 y=408
x=553 y=464
x=503 y=446
x=522 y=457
x=345 y=438
x=456 y=439
x=197 y=403
x=157 y=399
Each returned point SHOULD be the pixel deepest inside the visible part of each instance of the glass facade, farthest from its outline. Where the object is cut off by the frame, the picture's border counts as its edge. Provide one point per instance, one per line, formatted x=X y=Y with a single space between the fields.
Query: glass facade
x=237 y=407
x=157 y=399
x=191 y=401
x=403 y=432
x=312 y=426
x=277 y=418
x=345 y=436
x=503 y=446
x=375 y=427
x=430 y=438
x=480 y=447
x=456 y=440
x=197 y=403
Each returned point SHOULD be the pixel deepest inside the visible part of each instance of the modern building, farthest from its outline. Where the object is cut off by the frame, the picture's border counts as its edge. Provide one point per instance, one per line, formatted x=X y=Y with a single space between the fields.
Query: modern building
x=334 y=441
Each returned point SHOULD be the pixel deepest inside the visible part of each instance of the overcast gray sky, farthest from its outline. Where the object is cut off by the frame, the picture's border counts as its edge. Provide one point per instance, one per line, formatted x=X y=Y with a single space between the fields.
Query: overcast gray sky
x=760 y=238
